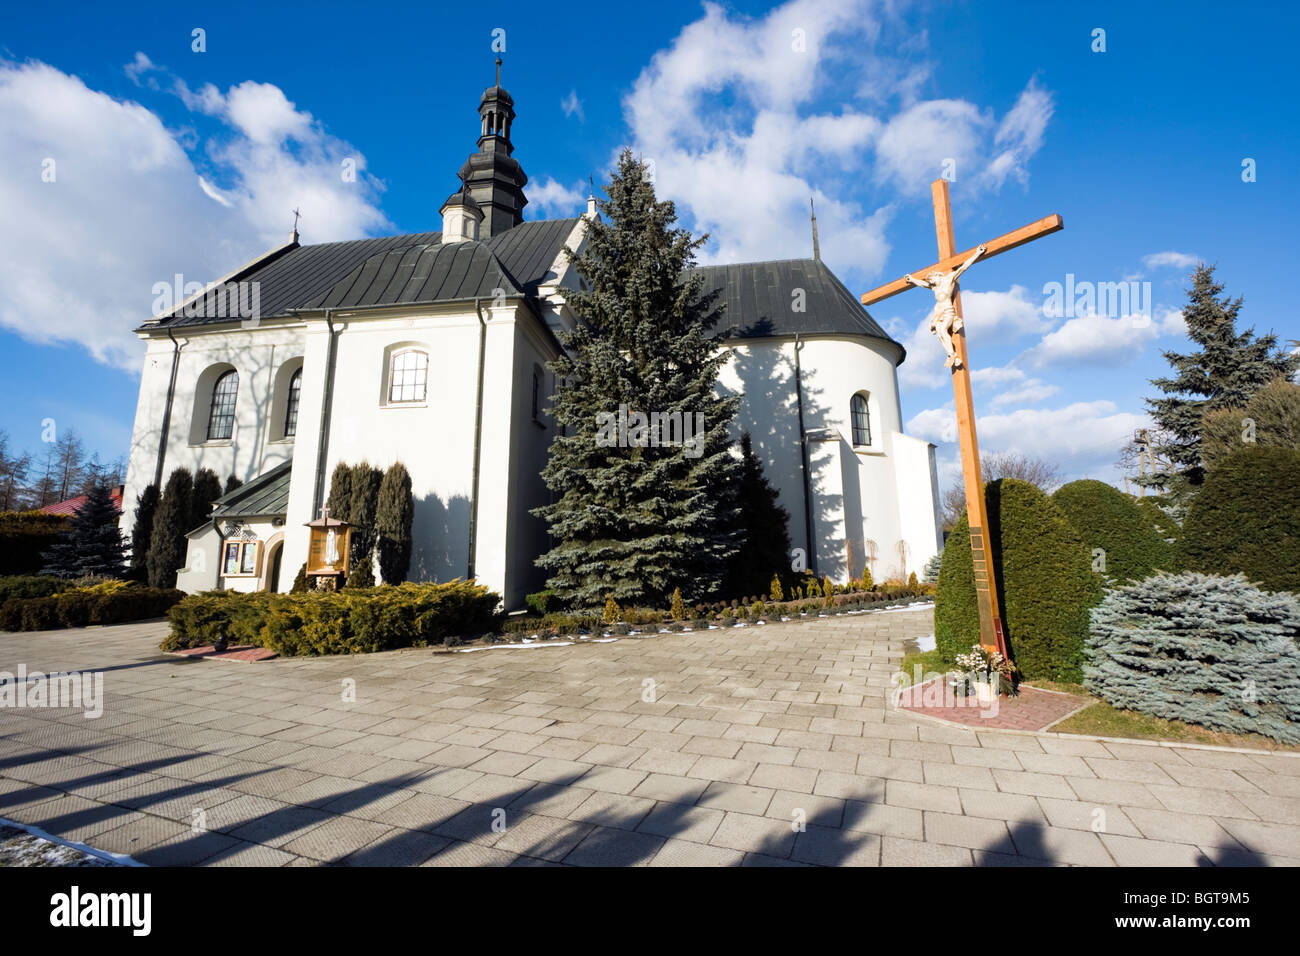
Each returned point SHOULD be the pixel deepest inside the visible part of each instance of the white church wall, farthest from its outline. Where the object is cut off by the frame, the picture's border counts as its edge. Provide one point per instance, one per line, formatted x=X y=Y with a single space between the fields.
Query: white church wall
x=856 y=492
x=433 y=438
x=527 y=536
x=256 y=354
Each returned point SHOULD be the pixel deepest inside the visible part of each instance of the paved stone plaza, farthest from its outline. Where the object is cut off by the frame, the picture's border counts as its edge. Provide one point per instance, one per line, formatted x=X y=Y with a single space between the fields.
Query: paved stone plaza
x=551 y=755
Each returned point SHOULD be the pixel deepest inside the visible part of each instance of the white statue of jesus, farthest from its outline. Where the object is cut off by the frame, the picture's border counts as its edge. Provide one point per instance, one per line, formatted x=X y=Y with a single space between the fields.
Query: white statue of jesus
x=331 y=548
x=944 y=321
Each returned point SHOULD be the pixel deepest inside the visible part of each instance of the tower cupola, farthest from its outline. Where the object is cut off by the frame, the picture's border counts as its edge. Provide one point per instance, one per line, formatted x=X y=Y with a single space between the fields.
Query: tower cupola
x=492 y=176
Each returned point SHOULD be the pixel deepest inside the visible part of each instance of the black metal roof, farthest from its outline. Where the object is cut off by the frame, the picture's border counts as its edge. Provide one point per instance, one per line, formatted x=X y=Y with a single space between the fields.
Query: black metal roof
x=760 y=300
x=417 y=268
x=267 y=494
x=392 y=269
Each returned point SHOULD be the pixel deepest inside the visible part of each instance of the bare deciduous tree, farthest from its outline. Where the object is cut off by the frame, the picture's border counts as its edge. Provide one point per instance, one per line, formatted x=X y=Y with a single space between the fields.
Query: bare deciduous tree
x=1001 y=465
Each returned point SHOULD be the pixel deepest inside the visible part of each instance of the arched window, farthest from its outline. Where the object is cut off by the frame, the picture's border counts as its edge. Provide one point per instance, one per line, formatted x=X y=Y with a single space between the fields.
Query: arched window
x=408 y=376
x=291 y=405
x=861 y=421
x=221 y=415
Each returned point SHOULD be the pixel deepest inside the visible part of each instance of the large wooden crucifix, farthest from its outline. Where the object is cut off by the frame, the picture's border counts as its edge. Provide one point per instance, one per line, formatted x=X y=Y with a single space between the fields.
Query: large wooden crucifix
x=946 y=322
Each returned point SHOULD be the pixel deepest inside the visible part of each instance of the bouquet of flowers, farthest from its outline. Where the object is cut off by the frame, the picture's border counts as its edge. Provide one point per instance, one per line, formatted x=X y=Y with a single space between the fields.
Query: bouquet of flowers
x=980 y=666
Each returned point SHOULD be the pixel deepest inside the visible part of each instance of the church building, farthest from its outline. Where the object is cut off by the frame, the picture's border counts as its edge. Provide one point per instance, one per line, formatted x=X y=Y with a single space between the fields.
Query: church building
x=431 y=349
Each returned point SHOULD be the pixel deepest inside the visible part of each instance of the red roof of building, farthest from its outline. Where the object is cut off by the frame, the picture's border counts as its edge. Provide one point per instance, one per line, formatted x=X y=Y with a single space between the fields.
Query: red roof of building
x=70 y=506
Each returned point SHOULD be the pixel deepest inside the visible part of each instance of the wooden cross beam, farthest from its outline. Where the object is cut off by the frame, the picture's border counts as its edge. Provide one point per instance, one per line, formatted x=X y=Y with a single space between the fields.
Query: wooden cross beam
x=1035 y=230
x=991 y=634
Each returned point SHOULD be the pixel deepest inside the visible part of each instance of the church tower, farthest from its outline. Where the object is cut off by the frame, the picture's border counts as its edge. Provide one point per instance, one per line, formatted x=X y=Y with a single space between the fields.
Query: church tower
x=492 y=175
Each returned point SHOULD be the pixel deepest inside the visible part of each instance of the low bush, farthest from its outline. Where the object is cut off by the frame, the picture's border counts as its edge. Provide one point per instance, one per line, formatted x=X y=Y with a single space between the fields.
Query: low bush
x=346 y=622
x=540 y=602
x=30 y=586
x=78 y=608
x=202 y=619
x=1204 y=649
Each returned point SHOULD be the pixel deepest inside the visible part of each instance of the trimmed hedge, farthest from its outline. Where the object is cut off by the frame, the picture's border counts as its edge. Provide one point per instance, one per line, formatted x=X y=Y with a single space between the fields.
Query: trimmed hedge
x=24 y=537
x=1045 y=584
x=1205 y=649
x=1108 y=519
x=1246 y=519
x=30 y=586
x=78 y=608
x=1161 y=522
x=346 y=622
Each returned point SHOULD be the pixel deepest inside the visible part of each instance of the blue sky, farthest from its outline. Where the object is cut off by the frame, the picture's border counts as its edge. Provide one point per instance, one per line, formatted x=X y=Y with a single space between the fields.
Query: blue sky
x=170 y=160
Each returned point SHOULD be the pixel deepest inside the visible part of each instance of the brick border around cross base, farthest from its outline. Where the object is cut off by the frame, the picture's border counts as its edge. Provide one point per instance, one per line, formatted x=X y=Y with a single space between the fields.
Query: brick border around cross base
x=1033 y=709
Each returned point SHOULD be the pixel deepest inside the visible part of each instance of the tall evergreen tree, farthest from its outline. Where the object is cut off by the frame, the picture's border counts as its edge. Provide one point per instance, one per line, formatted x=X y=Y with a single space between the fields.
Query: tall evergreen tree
x=1226 y=371
x=362 y=507
x=170 y=523
x=146 y=506
x=92 y=544
x=231 y=484
x=207 y=489
x=393 y=517
x=633 y=519
x=339 y=501
x=763 y=527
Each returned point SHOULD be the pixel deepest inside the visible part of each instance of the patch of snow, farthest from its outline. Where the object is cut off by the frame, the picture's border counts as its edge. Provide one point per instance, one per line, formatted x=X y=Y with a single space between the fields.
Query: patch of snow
x=493 y=647
x=926 y=643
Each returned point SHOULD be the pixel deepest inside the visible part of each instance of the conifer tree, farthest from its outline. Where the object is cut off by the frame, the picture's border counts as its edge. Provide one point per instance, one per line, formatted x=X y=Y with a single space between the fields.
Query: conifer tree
x=762 y=525
x=92 y=544
x=393 y=516
x=1227 y=370
x=231 y=484
x=362 y=509
x=631 y=519
x=170 y=523
x=207 y=489
x=146 y=506
x=339 y=501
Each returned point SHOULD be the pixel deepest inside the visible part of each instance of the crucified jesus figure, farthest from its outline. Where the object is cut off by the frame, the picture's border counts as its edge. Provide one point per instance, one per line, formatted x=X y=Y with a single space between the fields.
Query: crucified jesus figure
x=944 y=321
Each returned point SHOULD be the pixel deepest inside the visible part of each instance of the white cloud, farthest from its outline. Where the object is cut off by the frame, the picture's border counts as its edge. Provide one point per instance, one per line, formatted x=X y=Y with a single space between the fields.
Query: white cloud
x=1033 y=390
x=556 y=200
x=572 y=106
x=131 y=205
x=1177 y=260
x=1094 y=338
x=746 y=118
x=1083 y=438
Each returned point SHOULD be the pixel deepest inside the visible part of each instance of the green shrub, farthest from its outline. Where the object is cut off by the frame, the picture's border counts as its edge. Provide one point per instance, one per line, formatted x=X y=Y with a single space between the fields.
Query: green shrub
x=1246 y=519
x=201 y=619
x=299 y=585
x=30 y=586
x=132 y=604
x=1109 y=520
x=362 y=574
x=1159 y=519
x=1203 y=649
x=100 y=604
x=74 y=608
x=325 y=622
x=1045 y=583
x=539 y=602
x=39 y=614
